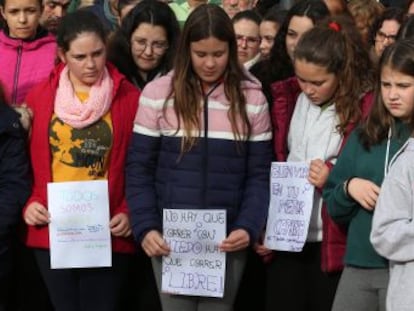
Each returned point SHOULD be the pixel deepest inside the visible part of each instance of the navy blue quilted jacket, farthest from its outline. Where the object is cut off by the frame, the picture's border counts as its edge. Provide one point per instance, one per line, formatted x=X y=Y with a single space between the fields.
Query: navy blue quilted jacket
x=217 y=173
x=15 y=181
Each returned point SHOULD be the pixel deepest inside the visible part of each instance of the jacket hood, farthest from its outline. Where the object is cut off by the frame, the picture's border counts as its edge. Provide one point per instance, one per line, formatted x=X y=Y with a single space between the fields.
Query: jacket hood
x=41 y=39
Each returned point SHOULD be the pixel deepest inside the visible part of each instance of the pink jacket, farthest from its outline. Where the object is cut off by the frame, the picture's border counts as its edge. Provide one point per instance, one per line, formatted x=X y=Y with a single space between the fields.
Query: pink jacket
x=24 y=64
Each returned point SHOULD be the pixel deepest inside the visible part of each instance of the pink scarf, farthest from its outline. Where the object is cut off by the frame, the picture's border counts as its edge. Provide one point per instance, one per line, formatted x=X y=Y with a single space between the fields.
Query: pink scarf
x=79 y=115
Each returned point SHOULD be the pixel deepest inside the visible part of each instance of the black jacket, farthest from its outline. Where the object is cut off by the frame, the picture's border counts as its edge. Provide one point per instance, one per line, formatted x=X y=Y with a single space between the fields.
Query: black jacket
x=15 y=181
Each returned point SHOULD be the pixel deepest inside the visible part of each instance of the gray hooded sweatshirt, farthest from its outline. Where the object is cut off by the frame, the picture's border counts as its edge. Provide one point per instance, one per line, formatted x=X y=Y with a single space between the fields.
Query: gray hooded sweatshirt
x=392 y=232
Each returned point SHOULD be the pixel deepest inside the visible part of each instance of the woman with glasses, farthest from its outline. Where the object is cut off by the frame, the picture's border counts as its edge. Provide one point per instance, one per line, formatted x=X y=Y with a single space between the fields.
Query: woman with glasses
x=385 y=30
x=143 y=48
x=247 y=28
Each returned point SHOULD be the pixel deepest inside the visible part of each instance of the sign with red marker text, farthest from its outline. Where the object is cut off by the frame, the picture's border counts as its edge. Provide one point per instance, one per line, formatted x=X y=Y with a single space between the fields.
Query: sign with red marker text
x=79 y=232
x=291 y=202
x=195 y=266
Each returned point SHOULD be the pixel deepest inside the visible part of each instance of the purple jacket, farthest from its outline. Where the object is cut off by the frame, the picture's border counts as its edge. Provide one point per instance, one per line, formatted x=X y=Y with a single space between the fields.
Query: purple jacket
x=24 y=64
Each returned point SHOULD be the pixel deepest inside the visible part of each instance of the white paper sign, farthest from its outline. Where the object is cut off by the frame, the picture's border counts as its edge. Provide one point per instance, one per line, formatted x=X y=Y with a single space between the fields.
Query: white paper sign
x=195 y=265
x=291 y=202
x=79 y=232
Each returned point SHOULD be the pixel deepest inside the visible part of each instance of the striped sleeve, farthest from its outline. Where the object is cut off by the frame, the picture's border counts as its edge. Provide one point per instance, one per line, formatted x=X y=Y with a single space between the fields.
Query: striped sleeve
x=146 y=120
x=260 y=118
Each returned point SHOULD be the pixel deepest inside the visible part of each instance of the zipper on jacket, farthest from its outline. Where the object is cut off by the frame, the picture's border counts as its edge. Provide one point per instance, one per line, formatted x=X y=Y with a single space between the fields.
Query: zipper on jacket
x=205 y=143
x=16 y=73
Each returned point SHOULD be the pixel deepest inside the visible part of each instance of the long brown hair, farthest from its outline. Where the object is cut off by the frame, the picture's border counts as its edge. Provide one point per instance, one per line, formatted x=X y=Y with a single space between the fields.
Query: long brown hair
x=398 y=56
x=204 y=22
x=336 y=45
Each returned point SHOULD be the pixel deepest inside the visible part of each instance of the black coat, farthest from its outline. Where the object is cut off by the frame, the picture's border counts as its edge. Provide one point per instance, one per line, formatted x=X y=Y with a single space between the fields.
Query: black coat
x=15 y=180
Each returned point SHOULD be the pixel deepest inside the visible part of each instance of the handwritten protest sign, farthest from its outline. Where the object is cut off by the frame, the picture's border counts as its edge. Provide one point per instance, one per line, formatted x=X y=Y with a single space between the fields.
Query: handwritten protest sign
x=291 y=202
x=195 y=265
x=79 y=229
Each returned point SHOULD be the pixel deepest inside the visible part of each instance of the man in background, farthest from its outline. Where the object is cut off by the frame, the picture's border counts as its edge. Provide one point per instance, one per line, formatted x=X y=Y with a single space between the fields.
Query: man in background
x=53 y=11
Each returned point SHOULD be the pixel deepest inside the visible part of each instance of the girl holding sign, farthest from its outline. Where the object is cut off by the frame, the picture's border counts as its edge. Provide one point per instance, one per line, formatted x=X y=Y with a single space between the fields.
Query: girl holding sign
x=316 y=110
x=201 y=141
x=354 y=184
x=83 y=119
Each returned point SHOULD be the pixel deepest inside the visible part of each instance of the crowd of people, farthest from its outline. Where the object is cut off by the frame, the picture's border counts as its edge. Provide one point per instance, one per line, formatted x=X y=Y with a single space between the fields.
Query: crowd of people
x=184 y=105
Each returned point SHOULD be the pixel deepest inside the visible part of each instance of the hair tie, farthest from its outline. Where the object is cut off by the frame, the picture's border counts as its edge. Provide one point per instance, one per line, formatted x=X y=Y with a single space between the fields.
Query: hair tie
x=334 y=26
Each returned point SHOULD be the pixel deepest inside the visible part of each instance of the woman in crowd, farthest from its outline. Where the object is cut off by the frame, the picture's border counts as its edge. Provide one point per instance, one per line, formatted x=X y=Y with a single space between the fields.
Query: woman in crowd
x=27 y=51
x=83 y=119
x=385 y=30
x=204 y=131
x=246 y=26
x=269 y=27
x=144 y=47
x=300 y=18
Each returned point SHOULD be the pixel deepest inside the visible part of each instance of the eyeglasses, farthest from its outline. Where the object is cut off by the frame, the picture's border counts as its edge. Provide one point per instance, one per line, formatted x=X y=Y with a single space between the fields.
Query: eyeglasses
x=250 y=41
x=158 y=47
x=381 y=37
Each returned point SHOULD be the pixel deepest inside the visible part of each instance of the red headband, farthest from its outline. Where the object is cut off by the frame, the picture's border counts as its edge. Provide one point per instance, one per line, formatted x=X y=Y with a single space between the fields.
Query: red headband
x=335 y=26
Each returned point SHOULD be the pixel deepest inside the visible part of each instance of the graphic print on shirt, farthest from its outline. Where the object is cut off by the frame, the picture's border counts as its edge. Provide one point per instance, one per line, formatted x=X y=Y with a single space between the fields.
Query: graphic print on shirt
x=80 y=154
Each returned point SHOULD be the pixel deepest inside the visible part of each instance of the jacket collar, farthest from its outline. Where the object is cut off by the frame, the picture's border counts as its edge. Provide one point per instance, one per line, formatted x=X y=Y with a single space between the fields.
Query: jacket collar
x=42 y=38
x=9 y=120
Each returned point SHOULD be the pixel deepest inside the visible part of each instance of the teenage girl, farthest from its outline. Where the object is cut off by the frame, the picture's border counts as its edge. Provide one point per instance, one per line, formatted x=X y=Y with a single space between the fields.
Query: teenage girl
x=27 y=50
x=334 y=79
x=278 y=66
x=352 y=189
x=85 y=107
x=201 y=141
